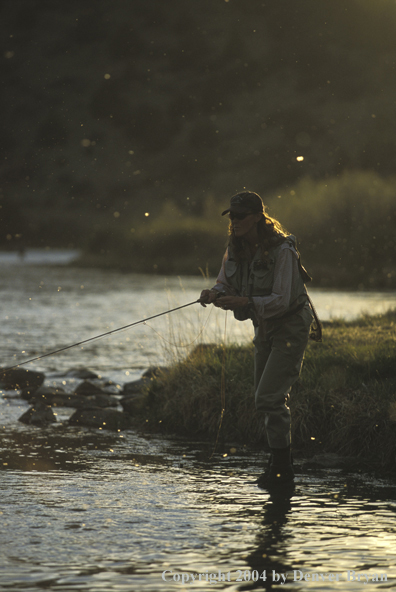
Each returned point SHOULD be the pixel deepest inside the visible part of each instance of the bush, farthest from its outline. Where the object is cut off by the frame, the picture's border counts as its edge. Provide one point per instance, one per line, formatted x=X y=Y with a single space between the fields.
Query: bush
x=345 y=226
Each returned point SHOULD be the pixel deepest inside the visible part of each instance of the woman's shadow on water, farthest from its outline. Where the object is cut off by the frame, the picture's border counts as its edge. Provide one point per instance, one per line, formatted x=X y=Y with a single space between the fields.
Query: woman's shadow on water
x=267 y=560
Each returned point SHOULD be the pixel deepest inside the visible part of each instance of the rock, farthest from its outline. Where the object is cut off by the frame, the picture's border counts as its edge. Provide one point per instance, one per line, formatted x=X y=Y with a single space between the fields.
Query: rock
x=42 y=392
x=106 y=419
x=87 y=388
x=82 y=373
x=103 y=400
x=20 y=378
x=112 y=388
x=135 y=386
x=39 y=414
x=68 y=400
x=134 y=405
x=154 y=371
x=78 y=402
x=27 y=393
x=57 y=397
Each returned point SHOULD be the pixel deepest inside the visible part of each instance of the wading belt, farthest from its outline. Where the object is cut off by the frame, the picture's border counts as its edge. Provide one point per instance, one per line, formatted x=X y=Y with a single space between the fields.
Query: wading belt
x=316 y=328
x=293 y=311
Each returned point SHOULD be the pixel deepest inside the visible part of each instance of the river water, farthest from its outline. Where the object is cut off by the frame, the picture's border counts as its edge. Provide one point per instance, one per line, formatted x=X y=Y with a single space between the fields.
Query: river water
x=86 y=510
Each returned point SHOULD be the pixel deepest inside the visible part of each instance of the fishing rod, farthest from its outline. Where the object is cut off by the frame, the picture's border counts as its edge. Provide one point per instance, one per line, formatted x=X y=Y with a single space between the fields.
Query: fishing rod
x=4 y=370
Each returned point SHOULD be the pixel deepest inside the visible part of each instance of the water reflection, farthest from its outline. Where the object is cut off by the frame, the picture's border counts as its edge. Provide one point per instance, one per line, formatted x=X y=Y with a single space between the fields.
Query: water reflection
x=88 y=510
x=64 y=448
x=111 y=511
x=267 y=561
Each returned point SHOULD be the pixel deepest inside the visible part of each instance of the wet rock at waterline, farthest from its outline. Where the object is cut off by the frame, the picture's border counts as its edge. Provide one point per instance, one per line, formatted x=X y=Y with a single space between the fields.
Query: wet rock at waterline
x=57 y=397
x=134 y=404
x=101 y=400
x=79 y=402
x=154 y=371
x=20 y=378
x=42 y=392
x=112 y=388
x=87 y=388
x=106 y=419
x=136 y=386
x=40 y=414
x=64 y=400
x=82 y=373
x=94 y=407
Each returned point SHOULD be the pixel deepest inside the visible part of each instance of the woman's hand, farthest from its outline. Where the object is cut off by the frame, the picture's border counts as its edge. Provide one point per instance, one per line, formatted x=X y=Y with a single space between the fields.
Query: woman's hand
x=231 y=302
x=207 y=297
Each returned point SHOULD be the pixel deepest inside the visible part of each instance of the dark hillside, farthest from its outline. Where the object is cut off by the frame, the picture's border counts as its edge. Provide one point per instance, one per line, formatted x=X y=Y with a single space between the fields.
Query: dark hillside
x=109 y=109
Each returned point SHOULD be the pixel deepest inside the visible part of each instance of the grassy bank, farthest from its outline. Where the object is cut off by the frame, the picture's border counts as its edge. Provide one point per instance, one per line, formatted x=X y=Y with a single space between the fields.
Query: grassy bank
x=344 y=402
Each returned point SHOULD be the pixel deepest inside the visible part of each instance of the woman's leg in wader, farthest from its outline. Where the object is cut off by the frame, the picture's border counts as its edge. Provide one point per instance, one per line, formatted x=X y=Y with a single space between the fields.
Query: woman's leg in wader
x=278 y=361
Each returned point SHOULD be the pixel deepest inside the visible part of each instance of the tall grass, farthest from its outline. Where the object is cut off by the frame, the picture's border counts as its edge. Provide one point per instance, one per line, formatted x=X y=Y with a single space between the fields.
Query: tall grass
x=344 y=402
x=346 y=227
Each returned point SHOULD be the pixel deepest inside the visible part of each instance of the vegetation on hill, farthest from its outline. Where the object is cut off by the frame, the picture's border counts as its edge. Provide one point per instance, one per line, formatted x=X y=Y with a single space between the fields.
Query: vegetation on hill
x=113 y=110
x=345 y=230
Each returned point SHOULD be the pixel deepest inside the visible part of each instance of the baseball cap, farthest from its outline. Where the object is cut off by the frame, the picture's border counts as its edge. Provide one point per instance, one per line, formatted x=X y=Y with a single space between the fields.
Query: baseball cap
x=246 y=201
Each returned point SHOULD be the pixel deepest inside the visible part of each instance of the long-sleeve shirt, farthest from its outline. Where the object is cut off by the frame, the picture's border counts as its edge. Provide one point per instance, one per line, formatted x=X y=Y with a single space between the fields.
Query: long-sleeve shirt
x=286 y=272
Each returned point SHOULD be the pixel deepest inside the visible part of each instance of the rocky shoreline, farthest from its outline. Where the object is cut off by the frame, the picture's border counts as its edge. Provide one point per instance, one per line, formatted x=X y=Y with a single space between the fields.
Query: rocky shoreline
x=102 y=405
x=97 y=403
x=343 y=407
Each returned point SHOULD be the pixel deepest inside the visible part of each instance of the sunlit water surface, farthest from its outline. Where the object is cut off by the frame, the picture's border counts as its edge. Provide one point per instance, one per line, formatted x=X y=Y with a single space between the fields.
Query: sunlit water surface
x=86 y=510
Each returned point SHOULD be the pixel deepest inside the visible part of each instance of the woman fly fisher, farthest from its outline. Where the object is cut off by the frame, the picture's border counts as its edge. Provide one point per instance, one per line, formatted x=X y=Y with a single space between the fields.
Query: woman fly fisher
x=262 y=279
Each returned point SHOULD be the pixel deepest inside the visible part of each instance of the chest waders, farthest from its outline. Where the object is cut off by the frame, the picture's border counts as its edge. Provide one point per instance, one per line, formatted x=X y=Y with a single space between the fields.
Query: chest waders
x=278 y=352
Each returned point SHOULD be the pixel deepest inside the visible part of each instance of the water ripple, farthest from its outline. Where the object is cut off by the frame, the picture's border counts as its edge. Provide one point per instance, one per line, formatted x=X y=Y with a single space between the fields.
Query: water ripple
x=83 y=510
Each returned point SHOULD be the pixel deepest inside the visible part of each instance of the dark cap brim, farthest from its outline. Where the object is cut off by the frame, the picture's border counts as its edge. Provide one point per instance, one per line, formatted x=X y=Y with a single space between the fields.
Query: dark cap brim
x=241 y=210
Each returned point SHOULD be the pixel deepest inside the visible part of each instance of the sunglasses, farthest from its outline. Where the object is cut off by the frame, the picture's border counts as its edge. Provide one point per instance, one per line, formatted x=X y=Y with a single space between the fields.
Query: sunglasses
x=238 y=216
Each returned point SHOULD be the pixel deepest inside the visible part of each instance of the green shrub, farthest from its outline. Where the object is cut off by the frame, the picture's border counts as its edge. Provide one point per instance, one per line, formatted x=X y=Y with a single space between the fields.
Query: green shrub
x=345 y=226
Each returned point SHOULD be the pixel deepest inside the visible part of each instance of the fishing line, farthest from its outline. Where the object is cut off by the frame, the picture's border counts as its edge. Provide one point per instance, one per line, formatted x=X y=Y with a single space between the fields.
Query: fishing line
x=182 y=345
x=57 y=351
x=222 y=386
x=144 y=321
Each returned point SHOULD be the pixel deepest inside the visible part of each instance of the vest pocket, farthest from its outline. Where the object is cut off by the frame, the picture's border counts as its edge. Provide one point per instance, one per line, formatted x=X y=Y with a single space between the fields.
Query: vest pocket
x=262 y=278
x=233 y=275
x=230 y=268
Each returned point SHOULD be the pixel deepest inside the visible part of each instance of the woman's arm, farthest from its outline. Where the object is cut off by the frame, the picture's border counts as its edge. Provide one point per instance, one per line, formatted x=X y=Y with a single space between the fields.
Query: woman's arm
x=221 y=286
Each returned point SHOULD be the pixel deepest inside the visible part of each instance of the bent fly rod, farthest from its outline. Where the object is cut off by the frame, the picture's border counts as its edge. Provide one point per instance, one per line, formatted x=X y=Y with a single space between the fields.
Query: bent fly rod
x=57 y=351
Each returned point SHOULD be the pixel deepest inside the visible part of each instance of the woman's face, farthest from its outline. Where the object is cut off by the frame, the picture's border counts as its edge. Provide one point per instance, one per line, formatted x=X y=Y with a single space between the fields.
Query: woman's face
x=245 y=227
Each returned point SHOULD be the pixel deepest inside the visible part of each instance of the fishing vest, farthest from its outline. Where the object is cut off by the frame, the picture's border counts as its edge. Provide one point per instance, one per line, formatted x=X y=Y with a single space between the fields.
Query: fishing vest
x=256 y=278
